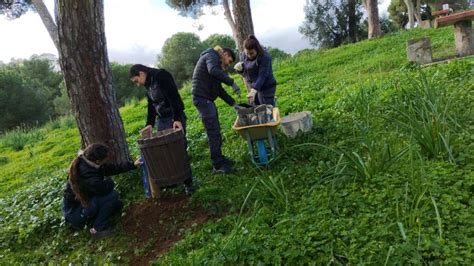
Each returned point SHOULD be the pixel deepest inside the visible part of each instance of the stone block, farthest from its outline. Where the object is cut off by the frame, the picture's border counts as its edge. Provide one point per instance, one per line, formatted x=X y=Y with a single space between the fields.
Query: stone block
x=419 y=50
x=463 y=38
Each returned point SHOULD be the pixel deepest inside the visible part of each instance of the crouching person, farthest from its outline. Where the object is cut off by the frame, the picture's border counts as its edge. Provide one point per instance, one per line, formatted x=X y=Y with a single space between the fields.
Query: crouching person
x=89 y=196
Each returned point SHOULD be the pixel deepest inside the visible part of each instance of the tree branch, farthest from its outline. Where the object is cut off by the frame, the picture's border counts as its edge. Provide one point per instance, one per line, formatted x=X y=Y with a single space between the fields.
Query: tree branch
x=47 y=21
x=228 y=15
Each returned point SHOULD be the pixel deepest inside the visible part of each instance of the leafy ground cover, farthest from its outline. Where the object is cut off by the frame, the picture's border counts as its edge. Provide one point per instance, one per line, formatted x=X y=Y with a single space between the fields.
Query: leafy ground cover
x=385 y=176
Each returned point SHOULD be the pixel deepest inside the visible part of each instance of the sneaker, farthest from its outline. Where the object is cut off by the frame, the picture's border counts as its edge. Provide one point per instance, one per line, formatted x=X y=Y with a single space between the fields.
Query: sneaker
x=101 y=234
x=189 y=189
x=223 y=169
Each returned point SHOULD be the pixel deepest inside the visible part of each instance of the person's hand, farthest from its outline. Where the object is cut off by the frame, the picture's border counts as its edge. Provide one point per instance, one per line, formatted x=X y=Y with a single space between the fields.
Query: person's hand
x=251 y=95
x=239 y=67
x=148 y=127
x=177 y=125
x=138 y=162
x=236 y=89
x=238 y=107
x=146 y=131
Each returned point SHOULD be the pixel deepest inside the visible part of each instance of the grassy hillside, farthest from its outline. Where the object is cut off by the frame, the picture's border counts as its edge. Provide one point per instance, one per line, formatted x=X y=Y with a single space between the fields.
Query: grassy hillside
x=385 y=176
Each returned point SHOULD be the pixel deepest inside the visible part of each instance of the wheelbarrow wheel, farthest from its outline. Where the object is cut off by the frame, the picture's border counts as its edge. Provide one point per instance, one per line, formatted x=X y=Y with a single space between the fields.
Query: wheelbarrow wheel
x=262 y=152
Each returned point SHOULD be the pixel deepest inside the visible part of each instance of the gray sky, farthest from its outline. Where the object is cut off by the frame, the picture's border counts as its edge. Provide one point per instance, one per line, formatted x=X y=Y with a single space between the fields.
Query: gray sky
x=136 y=32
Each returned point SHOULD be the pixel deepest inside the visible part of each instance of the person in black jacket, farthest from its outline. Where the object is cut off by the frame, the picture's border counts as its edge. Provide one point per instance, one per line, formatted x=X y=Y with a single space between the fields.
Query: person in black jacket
x=206 y=87
x=165 y=106
x=89 y=195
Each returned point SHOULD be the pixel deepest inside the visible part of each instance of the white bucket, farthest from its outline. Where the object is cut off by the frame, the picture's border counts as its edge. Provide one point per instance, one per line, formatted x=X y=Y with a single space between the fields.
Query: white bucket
x=295 y=122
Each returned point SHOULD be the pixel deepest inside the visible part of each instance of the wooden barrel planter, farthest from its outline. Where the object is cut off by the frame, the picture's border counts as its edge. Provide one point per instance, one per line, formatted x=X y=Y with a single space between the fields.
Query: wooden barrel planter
x=166 y=159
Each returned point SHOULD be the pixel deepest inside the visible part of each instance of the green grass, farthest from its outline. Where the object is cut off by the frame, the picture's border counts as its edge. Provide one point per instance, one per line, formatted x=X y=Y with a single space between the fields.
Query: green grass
x=360 y=188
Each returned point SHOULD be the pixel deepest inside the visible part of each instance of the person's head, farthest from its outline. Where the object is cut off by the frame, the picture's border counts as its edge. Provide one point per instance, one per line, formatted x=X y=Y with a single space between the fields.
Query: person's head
x=97 y=153
x=227 y=57
x=137 y=74
x=252 y=47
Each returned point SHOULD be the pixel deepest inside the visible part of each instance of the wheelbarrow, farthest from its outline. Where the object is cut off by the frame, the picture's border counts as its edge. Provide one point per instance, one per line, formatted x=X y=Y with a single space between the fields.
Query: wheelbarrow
x=260 y=139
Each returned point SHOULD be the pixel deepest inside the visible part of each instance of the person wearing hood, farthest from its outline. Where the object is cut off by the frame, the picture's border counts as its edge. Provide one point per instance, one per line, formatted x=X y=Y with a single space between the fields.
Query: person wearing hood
x=256 y=67
x=207 y=82
x=89 y=195
x=165 y=107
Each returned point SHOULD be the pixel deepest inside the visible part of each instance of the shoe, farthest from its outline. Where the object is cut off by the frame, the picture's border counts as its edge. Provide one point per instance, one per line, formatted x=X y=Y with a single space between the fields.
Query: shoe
x=229 y=161
x=189 y=189
x=223 y=169
x=101 y=234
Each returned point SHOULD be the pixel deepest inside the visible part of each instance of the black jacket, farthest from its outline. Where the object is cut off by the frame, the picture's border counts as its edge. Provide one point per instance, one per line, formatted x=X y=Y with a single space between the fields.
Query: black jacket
x=208 y=76
x=163 y=96
x=92 y=181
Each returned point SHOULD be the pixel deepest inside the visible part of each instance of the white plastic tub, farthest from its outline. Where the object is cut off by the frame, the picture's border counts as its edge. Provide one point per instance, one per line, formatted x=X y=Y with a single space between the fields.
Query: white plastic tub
x=295 y=122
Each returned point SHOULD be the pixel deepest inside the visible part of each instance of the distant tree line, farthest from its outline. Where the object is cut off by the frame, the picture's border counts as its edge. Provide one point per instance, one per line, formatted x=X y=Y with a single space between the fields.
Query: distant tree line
x=32 y=91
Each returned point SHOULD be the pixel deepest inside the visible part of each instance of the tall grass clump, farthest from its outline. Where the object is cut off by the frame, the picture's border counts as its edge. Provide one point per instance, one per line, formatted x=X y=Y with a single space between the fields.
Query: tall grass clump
x=66 y=121
x=422 y=112
x=18 y=138
x=370 y=152
x=274 y=190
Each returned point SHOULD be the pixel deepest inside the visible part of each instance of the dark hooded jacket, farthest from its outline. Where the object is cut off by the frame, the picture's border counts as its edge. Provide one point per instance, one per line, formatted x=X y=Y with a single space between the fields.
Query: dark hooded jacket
x=208 y=76
x=92 y=180
x=163 y=96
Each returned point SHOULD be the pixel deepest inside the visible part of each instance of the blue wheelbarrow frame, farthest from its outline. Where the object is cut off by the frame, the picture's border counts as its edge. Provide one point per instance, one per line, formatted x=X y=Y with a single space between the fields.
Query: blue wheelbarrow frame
x=260 y=135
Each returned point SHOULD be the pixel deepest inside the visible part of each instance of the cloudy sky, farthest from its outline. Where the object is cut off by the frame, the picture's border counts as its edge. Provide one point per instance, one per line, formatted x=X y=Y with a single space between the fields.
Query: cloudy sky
x=136 y=32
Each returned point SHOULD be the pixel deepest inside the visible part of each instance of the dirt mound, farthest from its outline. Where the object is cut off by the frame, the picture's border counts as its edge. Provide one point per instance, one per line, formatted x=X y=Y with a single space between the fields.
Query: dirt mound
x=156 y=225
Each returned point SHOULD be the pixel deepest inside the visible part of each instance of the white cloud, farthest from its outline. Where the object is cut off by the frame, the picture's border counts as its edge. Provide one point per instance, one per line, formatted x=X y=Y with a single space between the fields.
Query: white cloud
x=136 y=32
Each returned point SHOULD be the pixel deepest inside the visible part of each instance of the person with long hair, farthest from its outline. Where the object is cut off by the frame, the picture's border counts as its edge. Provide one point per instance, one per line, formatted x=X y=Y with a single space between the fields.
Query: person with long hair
x=165 y=107
x=256 y=67
x=89 y=195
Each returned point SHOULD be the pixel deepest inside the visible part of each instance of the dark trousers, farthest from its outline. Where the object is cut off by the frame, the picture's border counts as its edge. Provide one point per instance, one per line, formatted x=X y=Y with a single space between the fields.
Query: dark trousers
x=162 y=124
x=100 y=210
x=266 y=96
x=210 y=118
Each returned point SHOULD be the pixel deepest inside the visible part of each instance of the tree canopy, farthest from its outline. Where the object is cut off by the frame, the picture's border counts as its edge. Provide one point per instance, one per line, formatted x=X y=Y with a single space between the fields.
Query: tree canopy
x=326 y=23
x=223 y=40
x=179 y=55
x=14 y=9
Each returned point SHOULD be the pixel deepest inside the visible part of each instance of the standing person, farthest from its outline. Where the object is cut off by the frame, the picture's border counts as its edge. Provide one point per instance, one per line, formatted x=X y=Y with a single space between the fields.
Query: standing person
x=165 y=106
x=256 y=67
x=206 y=82
x=89 y=195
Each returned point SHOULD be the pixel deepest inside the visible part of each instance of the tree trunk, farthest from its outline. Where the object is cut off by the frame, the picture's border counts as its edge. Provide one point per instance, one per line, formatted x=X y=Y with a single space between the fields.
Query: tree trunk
x=418 y=12
x=87 y=74
x=241 y=22
x=411 y=13
x=352 y=20
x=373 y=18
x=47 y=21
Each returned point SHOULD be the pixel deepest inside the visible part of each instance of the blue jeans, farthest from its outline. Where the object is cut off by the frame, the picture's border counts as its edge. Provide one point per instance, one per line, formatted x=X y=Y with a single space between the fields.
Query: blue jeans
x=162 y=124
x=210 y=118
x=100 y=210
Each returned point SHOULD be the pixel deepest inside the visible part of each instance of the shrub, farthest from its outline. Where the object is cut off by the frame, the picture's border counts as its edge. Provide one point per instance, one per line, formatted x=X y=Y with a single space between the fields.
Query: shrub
x=19 y=137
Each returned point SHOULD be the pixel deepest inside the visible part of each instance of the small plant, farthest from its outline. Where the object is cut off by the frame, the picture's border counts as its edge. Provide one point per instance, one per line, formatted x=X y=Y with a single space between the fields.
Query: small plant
x=275 y=189
x=373 y=159
x=3 y=160
x=422 y=113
